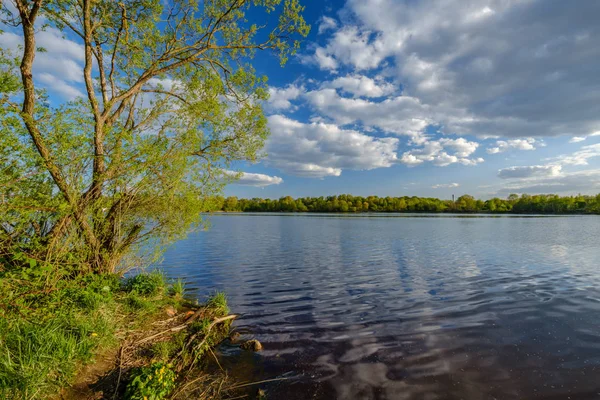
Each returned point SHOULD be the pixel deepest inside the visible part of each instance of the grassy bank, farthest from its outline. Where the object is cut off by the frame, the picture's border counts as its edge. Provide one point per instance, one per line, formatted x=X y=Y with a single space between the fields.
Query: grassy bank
x=150 y=336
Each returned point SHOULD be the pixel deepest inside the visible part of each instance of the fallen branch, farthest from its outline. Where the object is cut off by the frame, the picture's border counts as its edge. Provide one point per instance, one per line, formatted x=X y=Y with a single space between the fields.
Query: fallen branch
x=178 y=327
x=170 y=330
x=215 y=322
x=206 y=333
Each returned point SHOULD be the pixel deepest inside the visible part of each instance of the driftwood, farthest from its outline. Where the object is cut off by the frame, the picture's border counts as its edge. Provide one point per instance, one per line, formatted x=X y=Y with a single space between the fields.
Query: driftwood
x=215 y=322
x=206 y=333
x=184 y=325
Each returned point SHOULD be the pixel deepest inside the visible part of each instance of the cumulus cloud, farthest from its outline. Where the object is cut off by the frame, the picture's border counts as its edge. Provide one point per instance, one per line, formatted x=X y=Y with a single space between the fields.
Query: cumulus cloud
x=445 y=185
x=531 y=171
x=462 y=147
x=577 y=139
x=353 y=46
x=252 y=179
x=516 y=144
x=402 y=115
x=488 y=68
x=322 y=59
x=318 y=149
x=361 y=86
x=280 y=98
x=443 y=152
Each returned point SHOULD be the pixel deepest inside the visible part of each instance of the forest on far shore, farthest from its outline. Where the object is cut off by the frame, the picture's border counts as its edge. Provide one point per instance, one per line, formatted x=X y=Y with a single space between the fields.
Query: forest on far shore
x=524 y=204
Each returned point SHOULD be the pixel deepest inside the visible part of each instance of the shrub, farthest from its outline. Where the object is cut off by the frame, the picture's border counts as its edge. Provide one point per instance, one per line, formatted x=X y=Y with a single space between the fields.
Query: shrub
x=146 y=284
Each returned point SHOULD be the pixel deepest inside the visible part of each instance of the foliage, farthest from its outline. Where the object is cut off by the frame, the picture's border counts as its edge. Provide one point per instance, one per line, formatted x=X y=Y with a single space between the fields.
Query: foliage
x=538 y=204
x=153 y=382
x=171 y=101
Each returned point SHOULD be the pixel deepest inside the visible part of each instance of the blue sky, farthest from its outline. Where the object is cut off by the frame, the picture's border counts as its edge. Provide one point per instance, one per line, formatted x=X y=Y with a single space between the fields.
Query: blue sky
x=435 y=97
x=419 y=97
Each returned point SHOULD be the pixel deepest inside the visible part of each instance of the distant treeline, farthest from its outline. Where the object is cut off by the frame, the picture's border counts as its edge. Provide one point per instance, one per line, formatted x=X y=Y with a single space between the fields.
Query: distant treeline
x=524 y=204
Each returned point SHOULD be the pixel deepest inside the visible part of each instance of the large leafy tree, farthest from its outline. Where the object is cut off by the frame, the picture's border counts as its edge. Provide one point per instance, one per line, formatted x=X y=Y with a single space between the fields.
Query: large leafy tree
x=171 y=100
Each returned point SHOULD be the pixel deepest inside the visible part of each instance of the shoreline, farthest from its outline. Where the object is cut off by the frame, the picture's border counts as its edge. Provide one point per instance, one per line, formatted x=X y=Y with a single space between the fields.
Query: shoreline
x=135 y=338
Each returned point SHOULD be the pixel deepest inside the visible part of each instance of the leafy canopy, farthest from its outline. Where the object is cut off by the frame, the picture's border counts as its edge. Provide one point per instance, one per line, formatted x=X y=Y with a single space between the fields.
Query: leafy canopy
x=171 y=101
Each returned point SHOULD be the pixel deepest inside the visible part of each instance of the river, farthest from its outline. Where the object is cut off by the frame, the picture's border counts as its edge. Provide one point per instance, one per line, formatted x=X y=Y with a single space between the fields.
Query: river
x=396 y=306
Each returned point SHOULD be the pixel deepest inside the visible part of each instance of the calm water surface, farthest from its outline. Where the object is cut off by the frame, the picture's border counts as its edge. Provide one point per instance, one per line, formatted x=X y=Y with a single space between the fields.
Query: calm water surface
x=389 y=307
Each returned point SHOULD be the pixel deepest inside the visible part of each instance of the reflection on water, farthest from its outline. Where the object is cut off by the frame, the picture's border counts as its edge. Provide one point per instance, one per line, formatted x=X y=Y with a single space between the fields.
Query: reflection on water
x=373 y=307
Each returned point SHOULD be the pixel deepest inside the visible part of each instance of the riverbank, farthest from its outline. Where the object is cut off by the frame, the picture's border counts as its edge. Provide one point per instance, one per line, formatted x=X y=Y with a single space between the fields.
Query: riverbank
x=100 y=336
x=525 y=204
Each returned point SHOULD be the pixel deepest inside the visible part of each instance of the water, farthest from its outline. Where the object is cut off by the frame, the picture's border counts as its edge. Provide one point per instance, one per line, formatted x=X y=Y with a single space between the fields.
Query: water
x=407 y=307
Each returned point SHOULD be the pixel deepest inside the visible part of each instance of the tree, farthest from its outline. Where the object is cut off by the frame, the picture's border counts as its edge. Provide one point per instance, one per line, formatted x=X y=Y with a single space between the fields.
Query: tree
x=231 y=204
x=466 y=203
x=171 y=100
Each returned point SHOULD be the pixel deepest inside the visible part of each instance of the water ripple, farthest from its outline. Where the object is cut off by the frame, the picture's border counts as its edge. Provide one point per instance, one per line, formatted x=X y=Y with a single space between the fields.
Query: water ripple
x=409 y=307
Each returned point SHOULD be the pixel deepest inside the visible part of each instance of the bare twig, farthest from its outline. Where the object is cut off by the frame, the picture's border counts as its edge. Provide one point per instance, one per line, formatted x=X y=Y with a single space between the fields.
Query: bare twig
x=120 y=371
x=257 y=383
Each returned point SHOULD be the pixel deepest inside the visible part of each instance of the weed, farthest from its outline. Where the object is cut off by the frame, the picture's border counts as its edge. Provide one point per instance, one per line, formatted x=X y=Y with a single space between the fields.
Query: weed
x=154 y=382
x=177 y=289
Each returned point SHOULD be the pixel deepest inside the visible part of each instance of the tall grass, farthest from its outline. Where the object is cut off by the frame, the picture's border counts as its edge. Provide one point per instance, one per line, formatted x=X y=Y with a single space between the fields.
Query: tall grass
x=47 y=333
x=218 y=302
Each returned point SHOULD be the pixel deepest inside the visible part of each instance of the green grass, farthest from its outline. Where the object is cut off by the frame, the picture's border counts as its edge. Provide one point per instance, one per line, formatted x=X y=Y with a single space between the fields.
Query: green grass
x=47 y=331
x=177 y=288
x=165 y=350
x=218 y=302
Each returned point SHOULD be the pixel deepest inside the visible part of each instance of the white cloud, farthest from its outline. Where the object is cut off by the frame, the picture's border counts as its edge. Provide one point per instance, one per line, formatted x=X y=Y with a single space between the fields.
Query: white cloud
x=318 y=149
x=579 y=157
x=280 y=98
x=59 y=86
x=462 y=147
x=351 y=45
x=257 y=180
x=165 y=84
x=322 y=59
x=517 y=144
x=326 y=24
x=585 y=182
x=361 y=86
x=551 y=177
x=402 y=115
x=445 y=185
x=59 y=68
x=54 y=42
x=436 y=153
x=531 y=171
x=577 y=139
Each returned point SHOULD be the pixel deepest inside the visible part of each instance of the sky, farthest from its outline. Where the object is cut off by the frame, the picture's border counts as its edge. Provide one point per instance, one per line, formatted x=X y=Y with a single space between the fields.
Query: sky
x=420 y=97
